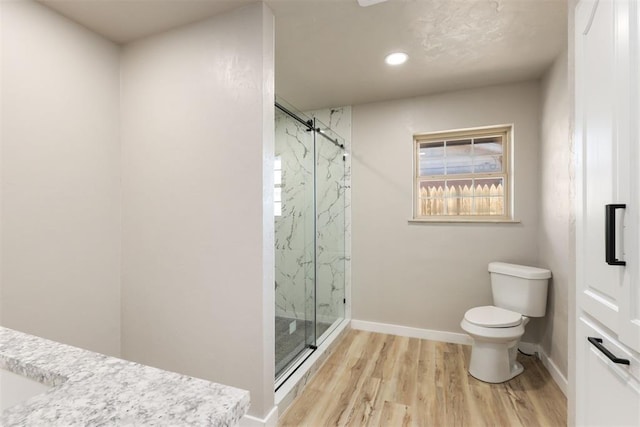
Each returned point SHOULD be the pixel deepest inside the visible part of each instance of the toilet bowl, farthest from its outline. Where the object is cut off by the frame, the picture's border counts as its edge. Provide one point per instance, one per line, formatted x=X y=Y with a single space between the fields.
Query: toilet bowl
x=519 y=292
x=496 y=333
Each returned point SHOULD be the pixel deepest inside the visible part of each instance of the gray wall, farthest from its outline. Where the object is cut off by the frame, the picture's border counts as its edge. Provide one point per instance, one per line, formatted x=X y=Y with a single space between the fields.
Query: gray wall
x=60 y=183
x=571 y=395
x=197 y=138
x=428 y=275
x=556 y=247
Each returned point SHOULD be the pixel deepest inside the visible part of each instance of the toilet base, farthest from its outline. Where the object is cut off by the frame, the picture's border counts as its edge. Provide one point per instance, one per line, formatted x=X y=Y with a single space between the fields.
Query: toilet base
x=493 y=362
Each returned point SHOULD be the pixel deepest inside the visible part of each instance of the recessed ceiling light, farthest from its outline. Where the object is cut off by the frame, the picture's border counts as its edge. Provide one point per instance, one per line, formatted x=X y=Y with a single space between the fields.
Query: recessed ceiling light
x=396 y=58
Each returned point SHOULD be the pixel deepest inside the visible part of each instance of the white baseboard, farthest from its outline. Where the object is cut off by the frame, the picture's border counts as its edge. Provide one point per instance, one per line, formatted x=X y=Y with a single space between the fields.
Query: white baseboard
x=552 y=368
x=407 y=331
x=269 y=421
x=457 y=338
x=557 y=376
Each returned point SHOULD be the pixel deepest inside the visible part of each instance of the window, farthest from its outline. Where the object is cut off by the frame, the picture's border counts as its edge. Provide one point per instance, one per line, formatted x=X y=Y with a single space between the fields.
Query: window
x=462 y=175
x=277 y=184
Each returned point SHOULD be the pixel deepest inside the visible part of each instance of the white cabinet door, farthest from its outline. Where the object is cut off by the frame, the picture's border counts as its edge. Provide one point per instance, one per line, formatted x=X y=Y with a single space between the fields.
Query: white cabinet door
x=608 y=172
x=607 y=61
x=608 y=392
x=596 y=144
x=628 y=119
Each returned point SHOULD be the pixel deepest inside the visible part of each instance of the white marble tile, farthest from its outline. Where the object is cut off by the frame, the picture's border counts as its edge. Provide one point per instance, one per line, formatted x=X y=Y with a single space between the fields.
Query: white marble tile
x=334 y=215
x=295 y=228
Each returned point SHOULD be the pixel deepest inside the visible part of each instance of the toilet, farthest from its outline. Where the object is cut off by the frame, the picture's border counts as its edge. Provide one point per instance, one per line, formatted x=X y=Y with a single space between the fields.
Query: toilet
x=519 y=292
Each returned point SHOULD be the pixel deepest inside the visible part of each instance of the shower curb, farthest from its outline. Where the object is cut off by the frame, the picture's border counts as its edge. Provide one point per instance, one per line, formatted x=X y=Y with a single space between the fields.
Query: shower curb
x=297 y=383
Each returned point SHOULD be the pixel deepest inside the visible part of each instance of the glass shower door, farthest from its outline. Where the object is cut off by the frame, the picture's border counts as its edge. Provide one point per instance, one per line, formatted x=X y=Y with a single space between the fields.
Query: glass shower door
x=330 y=230
x=294 y=238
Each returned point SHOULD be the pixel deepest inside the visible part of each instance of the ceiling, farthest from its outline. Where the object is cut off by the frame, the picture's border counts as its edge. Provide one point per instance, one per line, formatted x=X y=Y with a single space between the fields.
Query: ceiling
x=125 y=20
x=331 y=52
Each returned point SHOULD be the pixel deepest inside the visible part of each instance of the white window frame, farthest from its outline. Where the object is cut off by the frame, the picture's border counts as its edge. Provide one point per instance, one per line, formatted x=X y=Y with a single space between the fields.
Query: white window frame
x=506 y=131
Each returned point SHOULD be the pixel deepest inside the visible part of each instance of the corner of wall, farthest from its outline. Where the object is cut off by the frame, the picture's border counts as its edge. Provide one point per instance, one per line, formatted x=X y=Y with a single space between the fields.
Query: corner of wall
x=571 y=372
x=212 y=264
x=270 y=420
x=1 y=145
x=64 y=188
x=555 y=250
x=268 y=231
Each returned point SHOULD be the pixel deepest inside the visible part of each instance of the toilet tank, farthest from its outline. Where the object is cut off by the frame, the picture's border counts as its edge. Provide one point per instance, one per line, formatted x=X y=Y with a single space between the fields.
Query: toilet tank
x=519 y=288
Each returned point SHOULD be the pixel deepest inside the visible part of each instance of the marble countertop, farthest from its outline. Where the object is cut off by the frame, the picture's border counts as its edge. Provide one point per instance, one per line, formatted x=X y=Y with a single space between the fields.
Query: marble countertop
x=92 y=389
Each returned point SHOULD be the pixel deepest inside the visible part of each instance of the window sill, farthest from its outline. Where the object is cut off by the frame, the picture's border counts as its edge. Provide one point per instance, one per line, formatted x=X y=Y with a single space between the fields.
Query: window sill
x=464 y=221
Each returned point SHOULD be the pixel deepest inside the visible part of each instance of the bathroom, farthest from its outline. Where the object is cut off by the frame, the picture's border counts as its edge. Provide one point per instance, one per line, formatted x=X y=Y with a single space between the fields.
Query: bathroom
x=137 y=164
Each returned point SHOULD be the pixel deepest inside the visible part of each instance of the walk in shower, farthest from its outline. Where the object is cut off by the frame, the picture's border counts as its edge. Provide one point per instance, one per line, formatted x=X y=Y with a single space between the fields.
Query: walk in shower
x=309 y=235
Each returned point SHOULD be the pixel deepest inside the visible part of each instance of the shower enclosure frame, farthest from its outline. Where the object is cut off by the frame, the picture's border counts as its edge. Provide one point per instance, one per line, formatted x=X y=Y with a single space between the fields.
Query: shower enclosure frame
x=311 y=340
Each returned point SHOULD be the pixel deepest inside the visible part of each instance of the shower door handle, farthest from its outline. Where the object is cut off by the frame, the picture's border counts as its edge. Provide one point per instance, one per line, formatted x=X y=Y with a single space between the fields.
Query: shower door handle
x=610 y=234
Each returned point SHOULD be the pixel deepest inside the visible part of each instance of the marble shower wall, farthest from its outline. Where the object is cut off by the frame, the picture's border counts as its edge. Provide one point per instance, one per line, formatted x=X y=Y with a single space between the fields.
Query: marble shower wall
x=294 y=229
x=333 y=194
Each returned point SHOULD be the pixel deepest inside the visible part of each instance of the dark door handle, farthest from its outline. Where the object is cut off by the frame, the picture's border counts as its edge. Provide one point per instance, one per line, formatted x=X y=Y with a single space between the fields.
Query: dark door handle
x=598 y=343
x=610 y=234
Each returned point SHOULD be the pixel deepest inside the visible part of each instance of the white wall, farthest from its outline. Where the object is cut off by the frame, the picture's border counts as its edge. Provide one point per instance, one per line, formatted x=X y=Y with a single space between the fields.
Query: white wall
x=197 y=135
x=555 y=245
x=60 y=179
x=428 y=275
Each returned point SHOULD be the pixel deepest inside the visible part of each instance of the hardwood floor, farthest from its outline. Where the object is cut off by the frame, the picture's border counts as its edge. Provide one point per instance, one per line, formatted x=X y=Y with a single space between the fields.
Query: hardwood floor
x=385 y=380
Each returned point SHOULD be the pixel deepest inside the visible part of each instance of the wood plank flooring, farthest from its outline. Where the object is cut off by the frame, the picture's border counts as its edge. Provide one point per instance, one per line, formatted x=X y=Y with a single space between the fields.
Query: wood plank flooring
x=384 y=380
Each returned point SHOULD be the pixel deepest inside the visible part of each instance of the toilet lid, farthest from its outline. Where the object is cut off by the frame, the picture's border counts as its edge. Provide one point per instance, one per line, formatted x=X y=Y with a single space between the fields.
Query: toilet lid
x=493 y=317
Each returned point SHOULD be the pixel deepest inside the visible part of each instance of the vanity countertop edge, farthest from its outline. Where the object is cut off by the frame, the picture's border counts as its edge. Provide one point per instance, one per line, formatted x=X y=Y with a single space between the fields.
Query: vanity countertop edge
x=94 y=389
